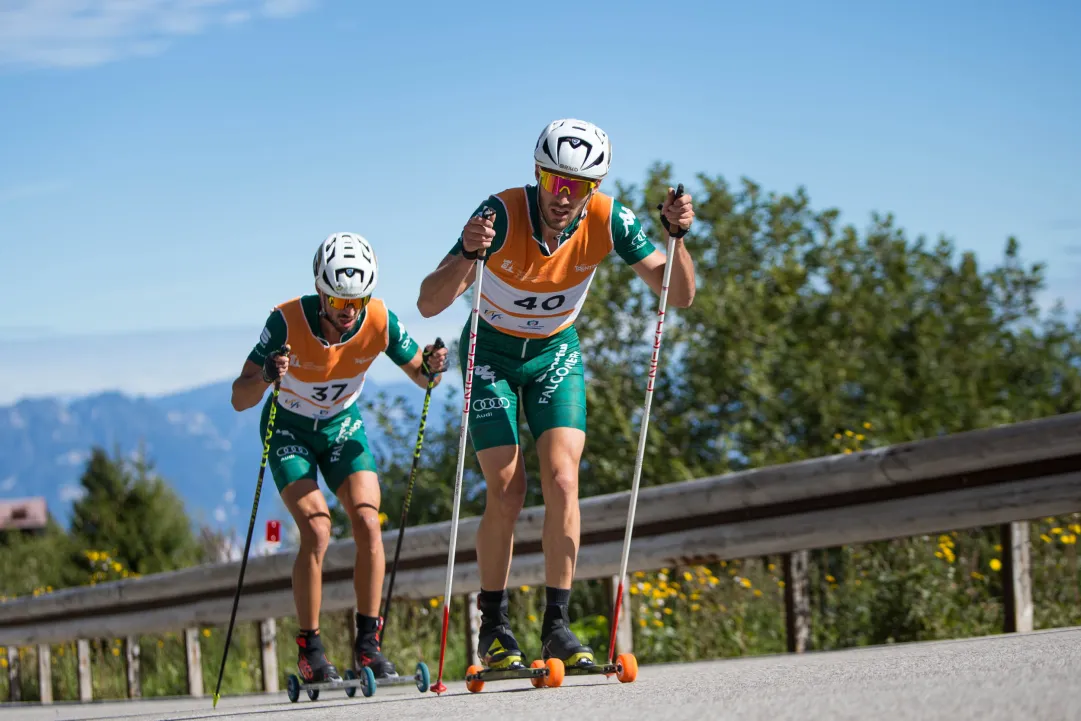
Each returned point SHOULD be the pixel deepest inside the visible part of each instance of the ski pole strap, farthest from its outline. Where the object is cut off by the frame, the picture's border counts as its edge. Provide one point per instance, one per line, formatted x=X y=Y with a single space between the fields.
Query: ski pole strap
x=487 y=214
x=424 y=355
x=678 y=231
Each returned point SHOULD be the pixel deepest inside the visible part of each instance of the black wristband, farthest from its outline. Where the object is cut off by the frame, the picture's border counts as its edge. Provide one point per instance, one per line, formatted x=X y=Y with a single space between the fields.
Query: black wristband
x=266 y=377
x=470 y=254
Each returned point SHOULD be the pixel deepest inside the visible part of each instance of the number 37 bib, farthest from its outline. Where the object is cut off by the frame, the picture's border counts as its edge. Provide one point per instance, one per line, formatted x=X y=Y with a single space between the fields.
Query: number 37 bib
x=323 y=380
x=530 y=295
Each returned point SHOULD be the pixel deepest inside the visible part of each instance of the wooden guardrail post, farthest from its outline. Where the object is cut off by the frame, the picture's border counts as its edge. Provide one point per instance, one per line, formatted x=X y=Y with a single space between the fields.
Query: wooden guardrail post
x=132 y=654
x=195 y=662
x=625 y=631
x=1016 y=577
x=797 y=601
x=86 y=689
x=45 y=673
x=268 y=633
x=472 y=630
x=15 y=689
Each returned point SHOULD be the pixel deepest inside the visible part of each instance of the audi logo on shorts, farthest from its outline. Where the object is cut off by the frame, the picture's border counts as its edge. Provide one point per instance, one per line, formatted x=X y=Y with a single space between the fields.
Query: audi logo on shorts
x=490 y=404
x=292 y=451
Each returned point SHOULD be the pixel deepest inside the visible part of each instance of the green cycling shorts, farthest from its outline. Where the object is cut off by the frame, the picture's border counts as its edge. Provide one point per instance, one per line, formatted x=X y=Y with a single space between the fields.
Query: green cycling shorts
x=337 y=446
x=542 y=376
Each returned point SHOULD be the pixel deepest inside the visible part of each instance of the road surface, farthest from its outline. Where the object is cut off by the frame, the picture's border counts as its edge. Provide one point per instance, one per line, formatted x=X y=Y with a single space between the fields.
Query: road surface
x=996 y=678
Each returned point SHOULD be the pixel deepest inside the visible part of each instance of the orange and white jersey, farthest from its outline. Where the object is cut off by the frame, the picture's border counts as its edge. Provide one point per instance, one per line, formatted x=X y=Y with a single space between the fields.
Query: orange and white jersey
x=323 y=380
x=528 y=294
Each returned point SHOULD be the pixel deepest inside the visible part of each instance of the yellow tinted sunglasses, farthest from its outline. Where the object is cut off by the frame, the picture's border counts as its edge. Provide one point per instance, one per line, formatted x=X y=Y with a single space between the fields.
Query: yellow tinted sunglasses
x=343 y=303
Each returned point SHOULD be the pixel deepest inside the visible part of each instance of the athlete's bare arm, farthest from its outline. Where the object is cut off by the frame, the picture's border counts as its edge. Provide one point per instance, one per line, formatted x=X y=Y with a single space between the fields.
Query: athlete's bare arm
x=444 y=284
x=250 y=385
x=679 y=211
x=682 y=283
x=454 y=275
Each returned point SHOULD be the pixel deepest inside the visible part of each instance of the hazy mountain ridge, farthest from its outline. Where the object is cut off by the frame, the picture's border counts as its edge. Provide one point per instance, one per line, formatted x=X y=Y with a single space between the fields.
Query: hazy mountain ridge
x=206 y=450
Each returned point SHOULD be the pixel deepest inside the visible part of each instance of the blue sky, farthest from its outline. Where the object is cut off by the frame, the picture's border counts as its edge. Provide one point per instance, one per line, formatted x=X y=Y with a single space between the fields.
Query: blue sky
x=168 y=167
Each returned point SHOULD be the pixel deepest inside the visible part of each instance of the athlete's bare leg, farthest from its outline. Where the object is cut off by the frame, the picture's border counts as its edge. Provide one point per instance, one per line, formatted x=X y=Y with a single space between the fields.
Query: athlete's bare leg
x=504 y=475
x=360 y=498
x=309 y=510
x=560 y=452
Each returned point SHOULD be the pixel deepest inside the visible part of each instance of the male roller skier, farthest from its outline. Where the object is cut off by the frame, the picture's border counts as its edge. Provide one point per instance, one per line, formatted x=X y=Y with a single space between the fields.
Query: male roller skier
x=334 y=336
x=542 y=246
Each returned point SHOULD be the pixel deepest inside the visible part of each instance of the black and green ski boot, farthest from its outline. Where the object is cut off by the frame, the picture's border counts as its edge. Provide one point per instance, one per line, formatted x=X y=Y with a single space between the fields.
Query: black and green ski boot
x=496 y=645
x=559 y=641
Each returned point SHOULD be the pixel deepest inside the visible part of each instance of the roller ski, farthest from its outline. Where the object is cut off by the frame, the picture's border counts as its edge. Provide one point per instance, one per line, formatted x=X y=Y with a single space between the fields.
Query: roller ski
x=375 y=668
x=561 y=643
x=502 y=660
x=317 y=673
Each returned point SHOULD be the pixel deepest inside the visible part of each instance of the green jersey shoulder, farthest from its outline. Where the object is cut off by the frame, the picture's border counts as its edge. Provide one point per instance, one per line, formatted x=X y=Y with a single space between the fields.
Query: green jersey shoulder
x=400 y=345
x=629 y=240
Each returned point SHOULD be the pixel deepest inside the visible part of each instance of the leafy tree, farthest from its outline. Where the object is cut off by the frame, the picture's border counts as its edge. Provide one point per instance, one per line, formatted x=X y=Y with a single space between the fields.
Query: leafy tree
x=132 y=513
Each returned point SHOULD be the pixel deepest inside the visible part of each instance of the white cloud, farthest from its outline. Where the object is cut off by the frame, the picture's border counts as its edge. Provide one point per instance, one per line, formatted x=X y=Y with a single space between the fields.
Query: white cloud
x=71 y=492
x=83 y=33
x=219 y=514
x=8 y=484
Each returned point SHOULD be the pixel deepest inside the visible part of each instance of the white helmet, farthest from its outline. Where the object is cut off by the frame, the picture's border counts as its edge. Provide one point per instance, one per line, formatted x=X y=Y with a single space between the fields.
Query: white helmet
x=575 y=147
x=345 y=266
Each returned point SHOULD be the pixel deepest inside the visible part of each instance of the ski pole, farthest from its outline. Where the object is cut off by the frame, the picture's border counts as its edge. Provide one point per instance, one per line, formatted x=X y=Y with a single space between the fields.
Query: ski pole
x=673 y=233
x=439 y=686
x=408 y=494
x=251 y=526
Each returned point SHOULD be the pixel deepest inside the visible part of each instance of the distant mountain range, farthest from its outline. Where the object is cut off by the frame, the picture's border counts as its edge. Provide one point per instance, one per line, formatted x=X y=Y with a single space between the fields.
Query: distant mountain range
x=206 y=450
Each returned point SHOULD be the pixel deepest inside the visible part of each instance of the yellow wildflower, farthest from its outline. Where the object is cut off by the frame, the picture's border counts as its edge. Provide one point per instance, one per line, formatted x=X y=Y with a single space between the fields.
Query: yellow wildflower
x=830 y=578
x=433 y=602
x=867 y=426
x=532 y=618
x=524 y=589
x=1056 y=531
x=687 y=576
x=695 y=607
x=1075 y=527
x=995 y=564
x=206 y=633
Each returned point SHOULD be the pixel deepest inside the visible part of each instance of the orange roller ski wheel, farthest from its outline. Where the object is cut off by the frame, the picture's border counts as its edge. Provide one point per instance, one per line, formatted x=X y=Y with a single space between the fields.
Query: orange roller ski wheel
x=537 y=681
x=554 y=679
x=474 y=685
x=626 y=668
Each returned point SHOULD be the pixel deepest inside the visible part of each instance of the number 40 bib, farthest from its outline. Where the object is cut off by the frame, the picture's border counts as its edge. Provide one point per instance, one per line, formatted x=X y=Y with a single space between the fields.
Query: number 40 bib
x=532 y=295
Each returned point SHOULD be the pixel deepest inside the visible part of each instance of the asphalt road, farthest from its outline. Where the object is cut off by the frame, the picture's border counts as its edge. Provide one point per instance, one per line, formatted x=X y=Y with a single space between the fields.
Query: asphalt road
x=1029 y=676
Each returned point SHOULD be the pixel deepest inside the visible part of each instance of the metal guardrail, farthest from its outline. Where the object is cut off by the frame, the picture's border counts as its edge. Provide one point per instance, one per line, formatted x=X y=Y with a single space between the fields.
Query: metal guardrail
x=980 y=478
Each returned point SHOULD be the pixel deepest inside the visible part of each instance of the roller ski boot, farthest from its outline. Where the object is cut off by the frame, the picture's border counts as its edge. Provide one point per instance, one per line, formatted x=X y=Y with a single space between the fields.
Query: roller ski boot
x=501 y=656
x=317 y=673
x=561 y=643
x=312 y=659
x=367 y=652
